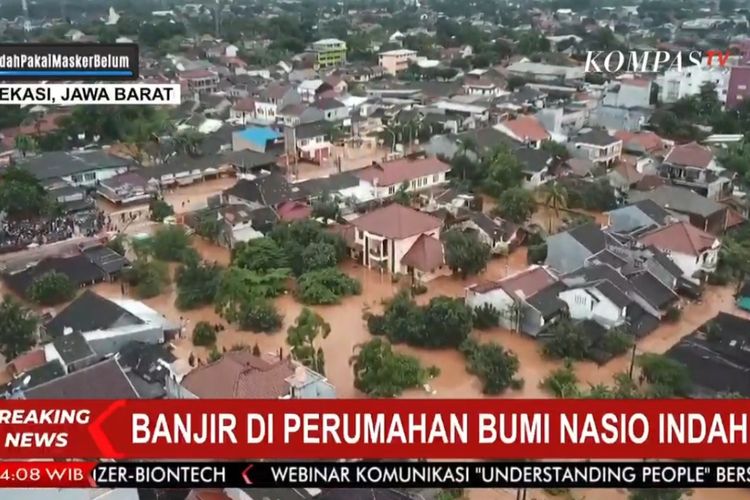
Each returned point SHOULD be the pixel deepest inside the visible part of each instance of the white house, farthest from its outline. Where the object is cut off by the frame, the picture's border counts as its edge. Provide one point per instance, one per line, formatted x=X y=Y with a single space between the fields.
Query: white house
x=601 y=302
x=695 y=251
x=526 y=129
x=526 y=300
x=677 y=83
x=387 y=234
x=385 y=179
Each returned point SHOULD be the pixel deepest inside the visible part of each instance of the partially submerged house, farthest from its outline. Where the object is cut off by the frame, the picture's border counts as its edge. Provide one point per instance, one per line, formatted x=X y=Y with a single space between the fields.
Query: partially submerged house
x=527 y=300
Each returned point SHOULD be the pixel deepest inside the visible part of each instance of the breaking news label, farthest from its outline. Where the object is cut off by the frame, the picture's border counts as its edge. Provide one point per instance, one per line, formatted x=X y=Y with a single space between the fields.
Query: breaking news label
x=375 y=474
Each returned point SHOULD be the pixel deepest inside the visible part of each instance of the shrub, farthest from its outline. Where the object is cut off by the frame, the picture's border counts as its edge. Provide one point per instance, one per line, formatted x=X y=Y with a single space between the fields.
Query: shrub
x=51 y=288
x=486 y=316
x=259 y=315
x=536 y=253
x=376 y=324
x=159 y=209
x=204 y=334
x=418 y=289
x=326 y=286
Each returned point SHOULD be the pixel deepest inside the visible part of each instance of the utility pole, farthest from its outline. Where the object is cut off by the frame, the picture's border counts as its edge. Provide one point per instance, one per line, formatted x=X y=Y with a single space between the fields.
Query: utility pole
x=632 y=361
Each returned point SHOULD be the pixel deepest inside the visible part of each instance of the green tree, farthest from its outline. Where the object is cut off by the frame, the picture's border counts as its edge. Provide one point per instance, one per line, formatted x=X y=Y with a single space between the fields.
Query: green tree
x=239 y=286
x=447 y=323
x=495 y=367
x=295 y=237
x=380 y=372
x=516 y=205
x=667 y=378
x=171 y=244
x=326 y=286
x=51 y=288
x=204 y=334
x=21 y=194
x=562 y=382
x=503 y=170
x=533 y=42
x=149 y=277
x=259 y=315
x=557 y=150
x=159 y=209
x=260 y=255
x=326 y=208
x=319 y=255
x=197 y=283
x=25 y=144
x=301 y=337
x=189 y=142
x=555 y=198
x=18 y=328
x=486 y=316
x=465 y=253
x=209 y=226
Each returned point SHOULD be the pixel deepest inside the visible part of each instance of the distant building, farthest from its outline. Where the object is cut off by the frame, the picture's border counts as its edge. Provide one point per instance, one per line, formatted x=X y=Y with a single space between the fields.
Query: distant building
x=629 y=93
x=738 y=89
x=396 y=61
x=675 y=83
x=329 y=52
x=200 y=81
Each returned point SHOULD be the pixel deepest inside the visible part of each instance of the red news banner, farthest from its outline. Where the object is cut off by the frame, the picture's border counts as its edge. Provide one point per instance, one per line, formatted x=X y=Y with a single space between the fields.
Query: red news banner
x=375 y=429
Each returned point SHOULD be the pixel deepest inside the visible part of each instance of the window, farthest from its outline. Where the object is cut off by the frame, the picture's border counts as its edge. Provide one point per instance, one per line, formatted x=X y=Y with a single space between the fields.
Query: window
x=741 y=87
x=413 y=183
x=77 y=178
x=360 y=234
x=392 y=190
x=91 y=176
x=435 y=178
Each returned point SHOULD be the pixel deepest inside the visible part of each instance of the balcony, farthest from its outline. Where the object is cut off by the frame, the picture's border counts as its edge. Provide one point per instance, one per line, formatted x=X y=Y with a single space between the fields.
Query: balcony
x=377 y=254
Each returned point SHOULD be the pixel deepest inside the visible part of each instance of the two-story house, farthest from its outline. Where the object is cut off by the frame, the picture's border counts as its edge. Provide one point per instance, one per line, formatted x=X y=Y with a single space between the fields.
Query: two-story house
x=598 y=146
x=299 y=114
x=243 y=111
x=694 y=167
x=386 y=235
x=333 y=110
x=385 y=179
x=695 y=252
x=273 y=98
x=396 y=61
x=313 y=142
x=201 y=81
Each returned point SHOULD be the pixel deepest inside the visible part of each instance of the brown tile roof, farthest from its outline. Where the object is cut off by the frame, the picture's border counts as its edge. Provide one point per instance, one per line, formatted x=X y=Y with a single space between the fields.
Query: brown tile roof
x=426 y=254
x=680 y=237
x=346 y=231
x=397 y=222
x=734 y=218
x=399 y=171
x=627 y=170
x=690 y=155
x=247 y=104
x=648 y=141
x=240 y=375
x=635 y=82
x=274 y=91
x=522 y=284
x=527 y=127
x=650 y=182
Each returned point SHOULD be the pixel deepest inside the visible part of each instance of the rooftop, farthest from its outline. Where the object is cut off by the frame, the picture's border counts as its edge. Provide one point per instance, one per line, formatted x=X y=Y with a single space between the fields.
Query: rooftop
x=89 y=312
x=399 y=171
x=690 y=155
x=397 y=222
x=104 y=380
x=681 y=237
x=58 y=164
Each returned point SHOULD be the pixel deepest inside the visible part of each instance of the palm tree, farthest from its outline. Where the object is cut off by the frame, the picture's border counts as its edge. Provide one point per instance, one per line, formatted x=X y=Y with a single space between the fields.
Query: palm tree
x=189 y=142
x=555 y=198
x=467 y=145
x=25 y=144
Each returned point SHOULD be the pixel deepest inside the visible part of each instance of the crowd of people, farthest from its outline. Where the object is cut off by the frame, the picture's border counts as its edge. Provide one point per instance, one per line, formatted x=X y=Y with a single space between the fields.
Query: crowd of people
x=19 y=234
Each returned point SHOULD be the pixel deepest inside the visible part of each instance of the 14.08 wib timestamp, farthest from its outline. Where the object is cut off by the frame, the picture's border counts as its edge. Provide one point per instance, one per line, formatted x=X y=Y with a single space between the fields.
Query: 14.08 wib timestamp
x=41 y=474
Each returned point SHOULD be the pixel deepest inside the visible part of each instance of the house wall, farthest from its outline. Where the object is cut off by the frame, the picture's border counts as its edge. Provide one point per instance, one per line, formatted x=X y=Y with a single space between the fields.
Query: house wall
x=582 y=305
x=265 y=111
x=91 y=177
x=499 y=299
x=318 y=389
x=531 y=320
x=661 y=274
x=565 y=254
x=598 y=154
x=336 y=114
x=535 y=180
x=396 y=249
x=417 y=184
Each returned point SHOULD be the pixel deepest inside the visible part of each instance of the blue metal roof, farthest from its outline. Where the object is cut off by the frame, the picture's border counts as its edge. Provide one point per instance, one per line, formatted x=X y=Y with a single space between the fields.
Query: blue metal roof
x=259 y=135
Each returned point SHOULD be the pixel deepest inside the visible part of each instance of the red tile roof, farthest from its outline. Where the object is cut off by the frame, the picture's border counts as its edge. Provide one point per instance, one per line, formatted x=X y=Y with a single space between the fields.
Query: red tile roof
x=426 y=254
x=681 y=237
x=399 y=171
x=397 y=222
x=627 y=170
x=240 y=375
x=635 y=82
x=247 y=105
x=690 y=155
x=522 y=284
x=526 y=127
x=734 y=218
x=294 y=210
